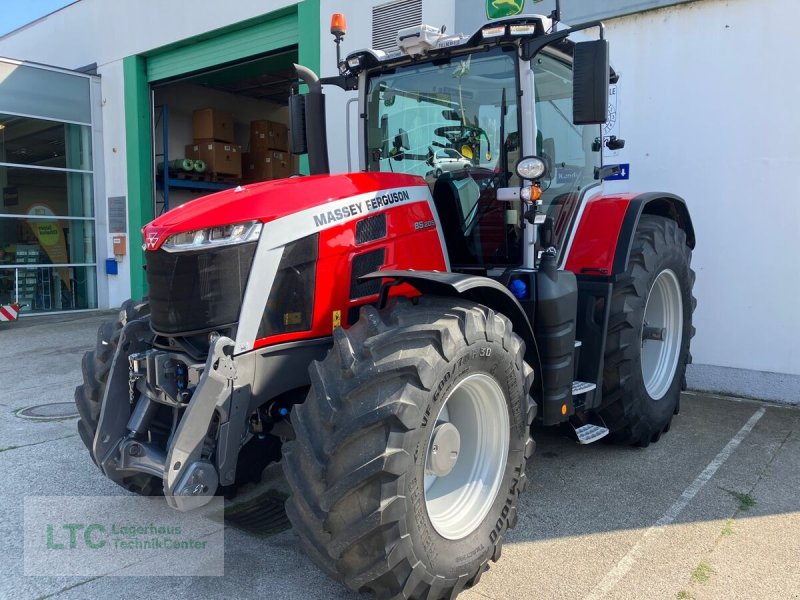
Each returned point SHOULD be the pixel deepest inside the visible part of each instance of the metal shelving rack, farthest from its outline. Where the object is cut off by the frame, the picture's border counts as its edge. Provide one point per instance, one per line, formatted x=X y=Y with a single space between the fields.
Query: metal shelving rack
x=164 y=182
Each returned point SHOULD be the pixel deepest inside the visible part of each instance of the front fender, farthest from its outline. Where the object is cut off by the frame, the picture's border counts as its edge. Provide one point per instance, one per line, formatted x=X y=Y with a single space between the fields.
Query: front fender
x=482 y=290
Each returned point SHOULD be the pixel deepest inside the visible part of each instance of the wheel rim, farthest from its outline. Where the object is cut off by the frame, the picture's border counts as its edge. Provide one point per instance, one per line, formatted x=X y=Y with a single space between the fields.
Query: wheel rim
x=460 y=491
x=662 y=332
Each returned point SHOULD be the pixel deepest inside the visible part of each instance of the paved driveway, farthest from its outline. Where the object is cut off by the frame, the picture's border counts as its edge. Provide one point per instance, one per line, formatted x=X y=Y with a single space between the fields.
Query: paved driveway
x=711 y=511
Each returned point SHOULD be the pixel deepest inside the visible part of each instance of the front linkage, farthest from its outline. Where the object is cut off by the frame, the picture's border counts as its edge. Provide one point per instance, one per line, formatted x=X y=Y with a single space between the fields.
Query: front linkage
x=141 y=383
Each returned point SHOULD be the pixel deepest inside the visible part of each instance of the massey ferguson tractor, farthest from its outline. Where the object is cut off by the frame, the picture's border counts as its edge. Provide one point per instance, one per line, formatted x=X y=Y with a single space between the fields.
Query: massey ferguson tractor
x=392 y=334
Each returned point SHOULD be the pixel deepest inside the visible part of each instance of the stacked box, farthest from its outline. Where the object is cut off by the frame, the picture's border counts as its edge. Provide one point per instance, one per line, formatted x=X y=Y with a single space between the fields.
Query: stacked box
x=267 y=165
x=213 y=142
x=269 y=156
x=268 y=135
x=212 y=124
x=221 y=158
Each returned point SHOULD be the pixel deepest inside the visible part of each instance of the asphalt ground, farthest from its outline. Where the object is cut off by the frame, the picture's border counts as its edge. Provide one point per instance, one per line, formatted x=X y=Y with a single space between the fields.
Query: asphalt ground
x=711 y=511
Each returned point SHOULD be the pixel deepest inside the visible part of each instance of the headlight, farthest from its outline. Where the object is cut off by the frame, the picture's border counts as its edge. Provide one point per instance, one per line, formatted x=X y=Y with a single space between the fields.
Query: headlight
x=532 y=168
x=213 y=237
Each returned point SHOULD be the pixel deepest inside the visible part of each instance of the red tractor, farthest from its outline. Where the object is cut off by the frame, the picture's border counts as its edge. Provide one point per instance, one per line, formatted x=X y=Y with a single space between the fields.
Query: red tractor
x=391 y=334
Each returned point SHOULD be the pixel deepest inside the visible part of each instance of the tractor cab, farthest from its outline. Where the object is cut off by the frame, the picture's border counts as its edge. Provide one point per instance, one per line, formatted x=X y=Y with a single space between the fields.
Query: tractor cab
x=461 y=111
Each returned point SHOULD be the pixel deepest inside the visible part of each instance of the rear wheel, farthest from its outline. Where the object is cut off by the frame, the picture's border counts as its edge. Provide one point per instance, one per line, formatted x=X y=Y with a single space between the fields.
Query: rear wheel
x=650 y=328
x=96 y=365
x=411 y=448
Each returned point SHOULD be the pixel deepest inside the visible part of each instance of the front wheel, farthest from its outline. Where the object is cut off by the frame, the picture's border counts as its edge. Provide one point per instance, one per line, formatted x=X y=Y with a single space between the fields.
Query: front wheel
x=649 y=331
x=411 y=448
x=96 y=365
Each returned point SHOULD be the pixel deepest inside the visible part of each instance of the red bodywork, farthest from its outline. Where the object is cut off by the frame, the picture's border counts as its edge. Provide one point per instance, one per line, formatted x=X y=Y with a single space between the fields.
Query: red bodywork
x=595 y=242
x=405 y=247
x=412 y=240
x=268 y=201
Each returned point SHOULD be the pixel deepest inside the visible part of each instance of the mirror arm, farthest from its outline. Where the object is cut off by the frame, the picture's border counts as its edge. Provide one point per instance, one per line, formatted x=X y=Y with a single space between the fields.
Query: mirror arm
x=346 y=82
x=531 y=47
x=601 y=173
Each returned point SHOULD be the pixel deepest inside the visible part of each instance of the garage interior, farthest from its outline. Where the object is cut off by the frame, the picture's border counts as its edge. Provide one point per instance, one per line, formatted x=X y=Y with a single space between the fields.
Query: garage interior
x=222 y=127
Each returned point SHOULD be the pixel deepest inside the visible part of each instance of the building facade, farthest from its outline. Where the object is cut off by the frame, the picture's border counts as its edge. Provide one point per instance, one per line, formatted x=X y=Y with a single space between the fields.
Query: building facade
x=702 y=102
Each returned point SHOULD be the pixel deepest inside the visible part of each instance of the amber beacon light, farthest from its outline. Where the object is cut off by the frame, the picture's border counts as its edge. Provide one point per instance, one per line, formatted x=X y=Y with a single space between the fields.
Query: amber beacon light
x=338 y=25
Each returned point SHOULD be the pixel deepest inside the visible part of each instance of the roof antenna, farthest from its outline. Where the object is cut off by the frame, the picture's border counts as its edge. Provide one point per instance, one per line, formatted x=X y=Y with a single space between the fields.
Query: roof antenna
x=555 y=16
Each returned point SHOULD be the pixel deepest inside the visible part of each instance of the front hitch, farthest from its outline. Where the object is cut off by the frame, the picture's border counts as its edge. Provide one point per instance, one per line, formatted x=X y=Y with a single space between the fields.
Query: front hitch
x=190 y=480
x=188 y=477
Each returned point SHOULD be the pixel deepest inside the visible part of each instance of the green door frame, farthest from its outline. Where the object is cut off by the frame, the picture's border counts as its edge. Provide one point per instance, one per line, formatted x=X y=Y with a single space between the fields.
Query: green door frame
x=298 y=24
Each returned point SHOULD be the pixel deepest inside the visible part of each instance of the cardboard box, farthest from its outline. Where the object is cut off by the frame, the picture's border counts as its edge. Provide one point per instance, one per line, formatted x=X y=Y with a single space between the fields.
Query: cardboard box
x=264 y=166
x=268 y=135
x=212 y=124
x=221 y=158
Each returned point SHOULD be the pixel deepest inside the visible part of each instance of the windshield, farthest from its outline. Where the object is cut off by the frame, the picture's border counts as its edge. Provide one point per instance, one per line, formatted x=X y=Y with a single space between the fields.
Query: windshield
x=454 y=122
x=443 y=117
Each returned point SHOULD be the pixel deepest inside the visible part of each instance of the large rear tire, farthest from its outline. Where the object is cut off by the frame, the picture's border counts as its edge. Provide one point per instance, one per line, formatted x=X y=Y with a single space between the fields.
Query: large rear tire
x=96 y=365
x=411 y=448
x=643 y=374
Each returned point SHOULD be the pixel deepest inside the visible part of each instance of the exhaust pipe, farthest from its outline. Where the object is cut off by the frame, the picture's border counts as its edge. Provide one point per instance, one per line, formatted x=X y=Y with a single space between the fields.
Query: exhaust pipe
x=308 y=123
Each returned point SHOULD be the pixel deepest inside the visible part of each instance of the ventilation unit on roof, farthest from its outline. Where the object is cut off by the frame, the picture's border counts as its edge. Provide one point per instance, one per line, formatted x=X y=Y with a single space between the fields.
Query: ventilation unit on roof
x=389 y=18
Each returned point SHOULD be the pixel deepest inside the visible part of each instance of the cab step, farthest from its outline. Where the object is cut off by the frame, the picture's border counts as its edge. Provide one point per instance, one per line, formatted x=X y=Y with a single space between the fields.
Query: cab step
x=589 y=433
x=581 y=387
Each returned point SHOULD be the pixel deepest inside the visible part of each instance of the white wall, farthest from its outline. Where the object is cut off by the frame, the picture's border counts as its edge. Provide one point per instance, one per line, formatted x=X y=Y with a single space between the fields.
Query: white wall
x=115 y=174
x=103 y=31
x=709 y=112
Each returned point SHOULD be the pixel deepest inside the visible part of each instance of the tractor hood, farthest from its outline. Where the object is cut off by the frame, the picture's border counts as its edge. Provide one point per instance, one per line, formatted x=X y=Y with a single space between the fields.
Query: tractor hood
x=269 y=201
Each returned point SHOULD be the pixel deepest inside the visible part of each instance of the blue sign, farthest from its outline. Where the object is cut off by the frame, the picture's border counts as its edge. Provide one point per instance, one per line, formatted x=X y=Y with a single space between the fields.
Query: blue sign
x=624 y=172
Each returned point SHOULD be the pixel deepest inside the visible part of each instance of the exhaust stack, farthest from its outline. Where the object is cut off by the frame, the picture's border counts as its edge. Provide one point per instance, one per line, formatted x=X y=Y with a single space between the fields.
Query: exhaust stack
x=308 y=123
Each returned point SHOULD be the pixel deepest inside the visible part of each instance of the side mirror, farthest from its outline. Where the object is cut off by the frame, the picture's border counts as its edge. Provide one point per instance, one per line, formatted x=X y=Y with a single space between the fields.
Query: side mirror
x=429 y=157
x=401 y=140
x=590 y=83
x=297 y=124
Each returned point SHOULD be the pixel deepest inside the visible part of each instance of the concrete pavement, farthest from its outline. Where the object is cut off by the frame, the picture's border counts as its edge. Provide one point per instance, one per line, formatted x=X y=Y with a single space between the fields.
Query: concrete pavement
x=711 y=511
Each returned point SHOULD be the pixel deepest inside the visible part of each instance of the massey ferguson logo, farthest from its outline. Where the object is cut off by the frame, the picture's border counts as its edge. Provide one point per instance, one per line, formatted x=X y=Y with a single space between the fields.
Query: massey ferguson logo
x=152 y=240
x=360 y=207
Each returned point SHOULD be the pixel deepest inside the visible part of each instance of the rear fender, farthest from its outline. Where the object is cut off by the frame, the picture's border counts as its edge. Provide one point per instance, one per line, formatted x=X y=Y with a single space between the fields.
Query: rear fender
x=482 y=290
x=604 y=236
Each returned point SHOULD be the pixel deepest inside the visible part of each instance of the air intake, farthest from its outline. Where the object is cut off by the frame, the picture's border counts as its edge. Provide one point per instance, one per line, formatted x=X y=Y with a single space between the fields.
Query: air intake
x=363 y=264
x=371 y=228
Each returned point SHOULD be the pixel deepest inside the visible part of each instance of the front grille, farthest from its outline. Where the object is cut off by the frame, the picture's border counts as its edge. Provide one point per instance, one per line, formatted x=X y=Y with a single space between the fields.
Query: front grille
x=198 y=290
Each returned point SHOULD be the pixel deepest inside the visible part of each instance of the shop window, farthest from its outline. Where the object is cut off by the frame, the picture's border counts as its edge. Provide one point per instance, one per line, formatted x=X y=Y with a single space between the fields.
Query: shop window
x=44 y=143
x=47 y=226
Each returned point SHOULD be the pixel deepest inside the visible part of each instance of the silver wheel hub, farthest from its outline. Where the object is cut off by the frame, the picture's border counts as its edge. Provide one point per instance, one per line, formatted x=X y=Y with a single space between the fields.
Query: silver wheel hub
x=466 y=456
x=443 y=454
x=662 y=332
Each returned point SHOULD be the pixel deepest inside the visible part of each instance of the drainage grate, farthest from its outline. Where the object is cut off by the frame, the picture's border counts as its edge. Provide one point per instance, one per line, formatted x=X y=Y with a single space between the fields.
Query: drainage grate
x=54 y=411
x=263 y=516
